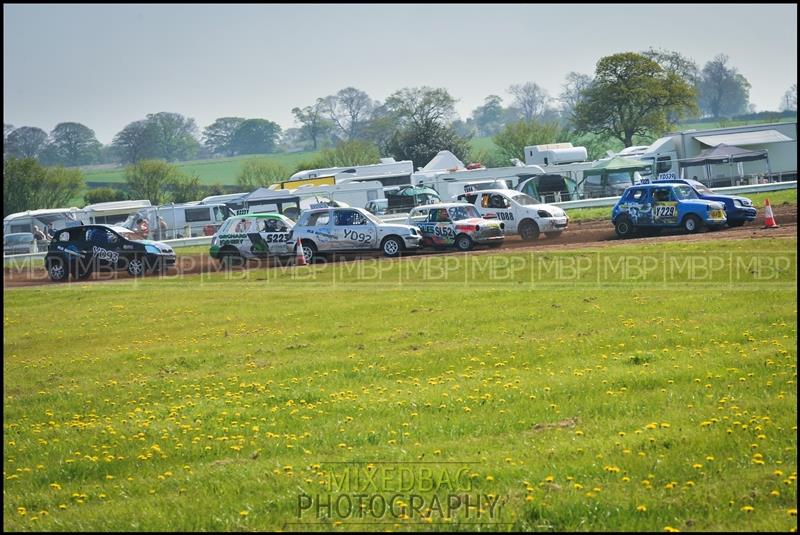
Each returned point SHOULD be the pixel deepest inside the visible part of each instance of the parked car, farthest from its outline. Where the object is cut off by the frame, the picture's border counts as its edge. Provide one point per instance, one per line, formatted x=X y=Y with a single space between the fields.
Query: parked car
x=252 y=236
x=79 y=251
x=455 y=224
x=377 y=206
x=19 y=243
x=738 y=210
x=333 y=230
x=521 y=213
x=668 y=205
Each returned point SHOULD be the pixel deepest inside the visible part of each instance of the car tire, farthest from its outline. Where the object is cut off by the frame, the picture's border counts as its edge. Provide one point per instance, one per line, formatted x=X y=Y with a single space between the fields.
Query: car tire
x=464 y=242
x=552 y=235
x=692 y=223
x=529 y=230
x=136 y=266
x=737 y=223
x=58 y=270
x=229 y=257
x=624 y=227
x=309 y=251
x=392 y=246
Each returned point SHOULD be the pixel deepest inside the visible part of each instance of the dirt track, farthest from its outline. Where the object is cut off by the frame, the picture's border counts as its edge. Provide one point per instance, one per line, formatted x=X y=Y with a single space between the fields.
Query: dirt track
x=593 y=233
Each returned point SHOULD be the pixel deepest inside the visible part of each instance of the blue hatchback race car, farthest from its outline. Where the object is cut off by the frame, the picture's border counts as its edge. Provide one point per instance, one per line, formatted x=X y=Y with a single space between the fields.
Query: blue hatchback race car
x=738 y=210
x=668 y=205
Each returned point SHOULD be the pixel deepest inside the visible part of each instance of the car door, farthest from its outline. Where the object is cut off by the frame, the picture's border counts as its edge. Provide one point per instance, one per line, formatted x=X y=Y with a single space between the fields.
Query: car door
x=320 y=226
x=503 y=209
x=354 y=231
x=665 y=206
x=273 y=232
x=102 y=245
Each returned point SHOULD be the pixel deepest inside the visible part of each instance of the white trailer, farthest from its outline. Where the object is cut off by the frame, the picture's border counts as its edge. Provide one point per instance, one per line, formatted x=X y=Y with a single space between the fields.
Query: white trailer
x=388 y=172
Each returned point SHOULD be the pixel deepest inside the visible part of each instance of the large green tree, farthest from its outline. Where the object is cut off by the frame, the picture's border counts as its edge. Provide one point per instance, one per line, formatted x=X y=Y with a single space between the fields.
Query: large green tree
x=151 y=179
x=28 y=185
x=218 y=135
x=314 y=126
x=723 y=92
x=26 y=142
x=531 y=99
x=350 y=109
x=256 y=136
x=136 y=142
x=74 y=144
x=631 y=94
x=174 y=135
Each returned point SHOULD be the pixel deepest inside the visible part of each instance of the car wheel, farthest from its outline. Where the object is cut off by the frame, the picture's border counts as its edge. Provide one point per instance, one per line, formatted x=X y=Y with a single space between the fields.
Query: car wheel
x=309 y=251
x=529 y=230
x=463 y=242
x=623 y=227
x=392 y=246
x=736 y=223
x=552 y=235
x=229 y=257
x=136 y=267
x=57 y=270
x=692 y=223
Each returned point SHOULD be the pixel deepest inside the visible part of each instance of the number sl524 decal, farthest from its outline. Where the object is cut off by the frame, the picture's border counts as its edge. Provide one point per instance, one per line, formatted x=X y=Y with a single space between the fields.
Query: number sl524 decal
x=434 y=230
x=362 y=237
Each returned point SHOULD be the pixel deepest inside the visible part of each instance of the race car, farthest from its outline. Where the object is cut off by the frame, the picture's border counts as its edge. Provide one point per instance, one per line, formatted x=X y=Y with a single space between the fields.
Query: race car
x=738 y=210
x=251 y=236
x=455 y=224
x=79 y=251
x=333 y=230
x=652 y=207
x=521 y=213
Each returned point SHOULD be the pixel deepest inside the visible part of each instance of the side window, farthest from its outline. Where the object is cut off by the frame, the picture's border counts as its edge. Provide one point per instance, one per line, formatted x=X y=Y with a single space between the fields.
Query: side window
x=273 y=225
x=320 y=219
x=219 y=214
x=664 y=164
x=498 y=201
x=420 y=216
x=485 y=201
x=193 y=215
x=637 y=195
x=439 y=215
x=242 y=225
x=346 y=218
x=661 y=195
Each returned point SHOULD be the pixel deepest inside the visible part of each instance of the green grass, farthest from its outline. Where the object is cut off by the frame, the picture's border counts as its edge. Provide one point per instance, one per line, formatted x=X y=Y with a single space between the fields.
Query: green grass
x=776 y=198
x=212 y=403
x=217 y=171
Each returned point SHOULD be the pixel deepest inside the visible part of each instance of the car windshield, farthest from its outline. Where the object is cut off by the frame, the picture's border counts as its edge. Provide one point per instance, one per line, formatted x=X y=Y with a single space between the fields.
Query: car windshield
x=524 y=199
x=127 y=233
x=371 y=217
x=702 y=188
x=684 y=192
x=458 y=213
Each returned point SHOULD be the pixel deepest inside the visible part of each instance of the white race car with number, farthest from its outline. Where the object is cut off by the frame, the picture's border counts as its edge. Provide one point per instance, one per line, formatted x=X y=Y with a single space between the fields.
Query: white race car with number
x=521 y=213
x=252 y=236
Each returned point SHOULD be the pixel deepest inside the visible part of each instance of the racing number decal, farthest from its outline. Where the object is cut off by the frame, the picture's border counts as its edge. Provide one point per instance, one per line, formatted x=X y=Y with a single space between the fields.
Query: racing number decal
x=666 y=212
x=276 y=237
x=505 y=216
x=435 y=231
x=361 y=237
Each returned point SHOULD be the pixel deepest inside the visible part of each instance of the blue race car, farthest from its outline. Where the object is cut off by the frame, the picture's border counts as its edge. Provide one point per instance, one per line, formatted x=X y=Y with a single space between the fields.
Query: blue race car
x=739 y=210
x=652 y=207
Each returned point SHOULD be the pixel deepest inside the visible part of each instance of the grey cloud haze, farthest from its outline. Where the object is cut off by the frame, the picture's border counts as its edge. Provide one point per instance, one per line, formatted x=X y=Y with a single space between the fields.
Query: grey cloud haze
x=108 y=65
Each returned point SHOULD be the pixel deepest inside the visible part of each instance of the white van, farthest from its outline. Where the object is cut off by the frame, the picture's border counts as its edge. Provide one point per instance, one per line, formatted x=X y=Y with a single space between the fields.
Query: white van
x=175 y=221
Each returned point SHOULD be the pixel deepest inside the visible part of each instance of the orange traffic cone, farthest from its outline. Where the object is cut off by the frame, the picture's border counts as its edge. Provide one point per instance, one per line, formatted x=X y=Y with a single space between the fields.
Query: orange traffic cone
x=300 y=258
x=769 y=219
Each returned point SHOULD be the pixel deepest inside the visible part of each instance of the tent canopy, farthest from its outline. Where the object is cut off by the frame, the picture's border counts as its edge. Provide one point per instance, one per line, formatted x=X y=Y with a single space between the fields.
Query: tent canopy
x=758 y=137
x=723 y=153
x=617 y=163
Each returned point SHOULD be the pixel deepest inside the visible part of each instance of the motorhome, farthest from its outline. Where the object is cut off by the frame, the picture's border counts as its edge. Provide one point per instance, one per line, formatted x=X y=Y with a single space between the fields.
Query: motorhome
x=49 y=220
x=388 y=172
x=112 y=213
x=674 y=155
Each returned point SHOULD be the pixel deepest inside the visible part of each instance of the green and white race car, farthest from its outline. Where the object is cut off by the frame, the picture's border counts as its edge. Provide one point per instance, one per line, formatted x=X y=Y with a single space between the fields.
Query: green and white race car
x=251 y=236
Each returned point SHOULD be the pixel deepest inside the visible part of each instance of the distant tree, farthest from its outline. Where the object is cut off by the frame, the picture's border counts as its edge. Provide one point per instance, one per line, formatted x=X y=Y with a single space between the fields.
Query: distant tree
x=174 y=135
x=218 y=136
x=466 y=128
x=572 y=93
x=260 y=172
x=349 y=110
x=215 y=189
x=789 y=102
x=28 y=185
x=314 y=125
x=513 y=139
x=631 y=95
x=531 y=99
x=186 y=188
x=421 y=142
x=7 y=129
x=723 y=92
x=74 y=144
x=489 y=117
x=675 y=63
x=256 y=136
x=26 y=142
x=136 y=142
x=151 y=179
x=422 y=106
x=98 y=195
x=380 y=128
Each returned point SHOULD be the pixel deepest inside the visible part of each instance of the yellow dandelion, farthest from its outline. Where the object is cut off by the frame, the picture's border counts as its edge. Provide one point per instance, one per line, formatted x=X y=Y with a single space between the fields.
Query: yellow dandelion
x=747 y=509
x=641 y=509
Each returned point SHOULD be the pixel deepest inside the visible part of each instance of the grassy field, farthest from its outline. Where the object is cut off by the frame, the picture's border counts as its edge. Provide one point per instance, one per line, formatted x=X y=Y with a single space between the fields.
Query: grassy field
x=591 y=399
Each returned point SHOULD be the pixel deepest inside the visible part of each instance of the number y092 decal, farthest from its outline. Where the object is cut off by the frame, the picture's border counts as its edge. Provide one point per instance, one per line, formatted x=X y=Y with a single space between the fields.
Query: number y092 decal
x=356 y=236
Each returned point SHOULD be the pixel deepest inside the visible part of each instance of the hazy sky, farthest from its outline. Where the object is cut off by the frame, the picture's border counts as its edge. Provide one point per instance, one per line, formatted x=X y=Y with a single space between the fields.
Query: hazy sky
x=105 y=66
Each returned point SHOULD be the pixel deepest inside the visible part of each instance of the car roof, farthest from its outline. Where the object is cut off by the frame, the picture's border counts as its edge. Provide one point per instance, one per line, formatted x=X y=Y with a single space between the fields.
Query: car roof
x=261 y=215
x=17 y=234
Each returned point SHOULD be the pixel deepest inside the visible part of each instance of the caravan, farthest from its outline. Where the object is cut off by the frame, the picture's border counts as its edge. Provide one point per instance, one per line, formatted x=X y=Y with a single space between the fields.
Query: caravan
x=176 y=221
